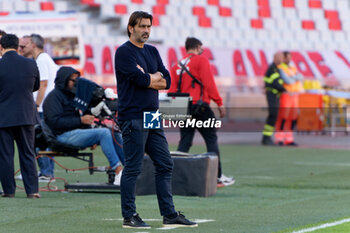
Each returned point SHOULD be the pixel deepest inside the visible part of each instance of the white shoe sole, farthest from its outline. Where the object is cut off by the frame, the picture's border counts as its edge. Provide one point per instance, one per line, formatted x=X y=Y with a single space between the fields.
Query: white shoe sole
x=130 y=227
x=179 y=225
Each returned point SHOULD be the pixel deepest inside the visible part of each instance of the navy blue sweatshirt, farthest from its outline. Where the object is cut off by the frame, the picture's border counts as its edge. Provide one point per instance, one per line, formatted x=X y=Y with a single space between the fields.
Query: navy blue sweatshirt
x=134 y=96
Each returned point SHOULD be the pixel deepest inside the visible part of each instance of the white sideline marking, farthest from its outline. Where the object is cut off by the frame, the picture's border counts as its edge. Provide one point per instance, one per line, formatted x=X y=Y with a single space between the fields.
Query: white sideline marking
x=322 y=164
x=259 y=177
x=326 y=225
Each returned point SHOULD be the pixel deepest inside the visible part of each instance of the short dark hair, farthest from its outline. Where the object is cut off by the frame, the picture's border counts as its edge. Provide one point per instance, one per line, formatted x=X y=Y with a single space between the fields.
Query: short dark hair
x=38 y=40
x=192 y=43
x=9 y=41
x=286 y=53
x=2 y=33
x=135 y=18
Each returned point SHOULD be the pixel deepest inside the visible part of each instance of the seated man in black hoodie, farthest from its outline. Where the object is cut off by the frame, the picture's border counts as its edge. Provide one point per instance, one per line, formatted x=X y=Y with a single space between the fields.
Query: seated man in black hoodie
x=70 y=126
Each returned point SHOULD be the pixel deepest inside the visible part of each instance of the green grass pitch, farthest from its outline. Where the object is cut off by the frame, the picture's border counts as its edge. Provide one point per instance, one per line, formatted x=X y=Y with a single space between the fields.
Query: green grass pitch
x=277 y=190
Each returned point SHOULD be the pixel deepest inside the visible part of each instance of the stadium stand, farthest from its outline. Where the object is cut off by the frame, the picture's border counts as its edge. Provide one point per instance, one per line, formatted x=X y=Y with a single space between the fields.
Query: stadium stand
x=267 y=20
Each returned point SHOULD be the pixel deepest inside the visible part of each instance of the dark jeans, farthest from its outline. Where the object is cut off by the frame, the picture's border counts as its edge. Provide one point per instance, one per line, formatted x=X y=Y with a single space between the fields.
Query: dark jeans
x=209 y=135
x=136 y=141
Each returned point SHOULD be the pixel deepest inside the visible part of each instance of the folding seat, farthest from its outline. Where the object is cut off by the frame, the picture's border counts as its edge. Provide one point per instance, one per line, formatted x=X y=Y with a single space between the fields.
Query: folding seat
x=218 y=22
x=191 y=21
x=47 y=6
x=281 y=24
x=225 y=11
x=270 y=24
x=315 y=4
x=290 y=13
x=317 y=14
x=20 y=6
x=251 y=12
x=334 y=24
x=308 y=24
x=204 y=21
x=244 y=23
x=303 y=14
x=213 y=2
x=262 y=35
x=288 y=3
x=231 y=23
x=329 y=5
x=313 y=35
x=150 y=2
x=211 y=11
x=35 y=6
x=137 y=1
x=301 y=4
x=264 y=3
x=102 y=29
x=225 y=3
x=339 y=36
x=249 y=34
x=198 y=11
x=295 y=24
x=331 y=14
x=162 y=2
x=256 y=23
x=172 y=10
x=120 y=9
x=158 y=10
x=264 y=12
x=91 y=3
x=277 y=13
x=62 y=6
x=108 y=10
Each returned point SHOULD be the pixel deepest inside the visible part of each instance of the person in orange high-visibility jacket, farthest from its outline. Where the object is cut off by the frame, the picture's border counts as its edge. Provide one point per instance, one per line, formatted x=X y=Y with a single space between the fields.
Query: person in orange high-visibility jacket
x=288 y=110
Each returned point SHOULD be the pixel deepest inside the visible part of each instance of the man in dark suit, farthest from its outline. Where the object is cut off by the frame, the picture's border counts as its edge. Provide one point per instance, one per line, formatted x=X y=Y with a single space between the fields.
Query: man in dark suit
x=19 y=77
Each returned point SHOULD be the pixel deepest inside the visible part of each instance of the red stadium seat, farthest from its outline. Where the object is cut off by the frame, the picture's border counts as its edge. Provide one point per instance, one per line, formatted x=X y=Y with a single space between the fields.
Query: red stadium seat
x=91 y=3
x=225 y=11
x=263 y=3
x=158 y=9
x=288 y=3
x=162 y=2
x=204 y=21
x=315 y=4
x=155 y=21
x=331 y=14
x=137 y=1
x=256 y=23
x=264 y=12
x=213 y=2
x=4 y=13
x=334 y=25
x=120 y=9
x=198 y=10
x=308 y=25
x=47 y=6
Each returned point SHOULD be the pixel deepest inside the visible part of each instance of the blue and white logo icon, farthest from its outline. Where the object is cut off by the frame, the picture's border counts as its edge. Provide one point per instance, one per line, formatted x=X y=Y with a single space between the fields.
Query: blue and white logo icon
x=151 y=120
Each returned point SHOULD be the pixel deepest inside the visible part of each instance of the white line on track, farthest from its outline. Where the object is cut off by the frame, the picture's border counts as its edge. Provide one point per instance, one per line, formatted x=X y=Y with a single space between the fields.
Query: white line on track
x=322 y=164
x=326 y=225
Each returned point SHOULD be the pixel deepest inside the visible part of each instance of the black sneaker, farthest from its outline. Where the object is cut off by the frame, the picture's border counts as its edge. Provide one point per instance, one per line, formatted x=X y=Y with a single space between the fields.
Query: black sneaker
x=135 y=222
x=179 y=221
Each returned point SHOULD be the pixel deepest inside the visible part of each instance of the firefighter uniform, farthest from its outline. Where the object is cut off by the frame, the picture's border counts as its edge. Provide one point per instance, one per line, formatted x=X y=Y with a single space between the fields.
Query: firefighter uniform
x=273 y=89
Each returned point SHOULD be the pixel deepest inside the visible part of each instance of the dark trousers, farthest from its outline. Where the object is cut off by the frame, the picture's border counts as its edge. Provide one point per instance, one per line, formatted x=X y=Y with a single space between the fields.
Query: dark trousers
x=24 y=137
x=136 y=141
x=209 y=135
x=273 y=102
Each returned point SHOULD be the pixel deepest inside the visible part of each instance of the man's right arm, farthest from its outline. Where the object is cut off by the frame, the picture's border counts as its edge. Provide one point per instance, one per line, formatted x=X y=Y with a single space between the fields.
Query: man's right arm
x=55 y=115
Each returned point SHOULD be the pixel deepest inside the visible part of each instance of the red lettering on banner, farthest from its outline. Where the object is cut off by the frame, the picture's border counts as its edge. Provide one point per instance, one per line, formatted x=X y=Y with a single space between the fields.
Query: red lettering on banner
x=302 y=65
x=183 y=51
x=89 y=67
x=107 y=63
x=238 y=64
x=317 y=58
x=259 y=69
x=172 y=58
x=207 y=52
x=341 y=56
x=325 y=71
x=240 y=70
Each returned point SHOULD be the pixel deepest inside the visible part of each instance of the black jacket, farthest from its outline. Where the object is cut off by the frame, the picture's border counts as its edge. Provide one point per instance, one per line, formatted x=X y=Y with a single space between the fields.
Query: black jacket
x=19 y=77
x=59 y=112
x=273 y=81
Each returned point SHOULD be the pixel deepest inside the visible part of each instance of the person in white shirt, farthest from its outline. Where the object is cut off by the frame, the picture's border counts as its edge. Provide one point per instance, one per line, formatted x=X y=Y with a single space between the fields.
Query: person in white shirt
x=47 y=69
